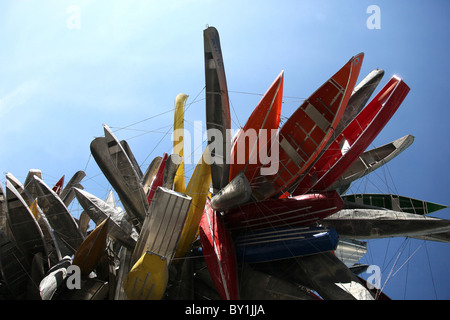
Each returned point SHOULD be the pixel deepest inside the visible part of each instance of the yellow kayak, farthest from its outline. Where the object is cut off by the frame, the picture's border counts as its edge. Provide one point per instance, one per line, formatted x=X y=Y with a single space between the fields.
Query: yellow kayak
x=178 y=143
x=148 y=278
x=34 y=210
x=197 y=189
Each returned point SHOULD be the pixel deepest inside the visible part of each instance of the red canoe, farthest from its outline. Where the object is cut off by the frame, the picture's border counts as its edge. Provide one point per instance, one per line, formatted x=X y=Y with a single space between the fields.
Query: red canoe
x=303 y=137
x=355 y=138
x=258 y=128
x=58 y=186
x=219 y=254
x=289 y=212
x=158 y=180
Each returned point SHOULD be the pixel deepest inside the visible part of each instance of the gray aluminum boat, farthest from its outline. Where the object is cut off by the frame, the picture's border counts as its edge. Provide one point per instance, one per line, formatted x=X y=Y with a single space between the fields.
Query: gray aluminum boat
x=371 y=160
x=24 y=227
x=98 y=210
x=51 y=242
x=25 y=195
x=14 y=267
x=64 y=225
x=3 y=210
x=67 y=194
x=258 y=285
x=163 y=225
x=135 y=203
x=119 y=157
x=375 y=224
x=358 y=100
x=217 y=109
x=234 y=194
x=54 y=278
x=150 y=173
x=170 y=170
x=322 y=272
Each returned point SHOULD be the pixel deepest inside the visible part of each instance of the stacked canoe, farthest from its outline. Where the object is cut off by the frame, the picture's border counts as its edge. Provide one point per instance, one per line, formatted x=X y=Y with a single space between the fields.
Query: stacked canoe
x=283 y=199
x=264 y=215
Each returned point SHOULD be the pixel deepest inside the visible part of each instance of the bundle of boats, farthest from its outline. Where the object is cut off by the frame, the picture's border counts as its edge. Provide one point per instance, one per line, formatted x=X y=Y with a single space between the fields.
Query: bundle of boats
x=238 y=229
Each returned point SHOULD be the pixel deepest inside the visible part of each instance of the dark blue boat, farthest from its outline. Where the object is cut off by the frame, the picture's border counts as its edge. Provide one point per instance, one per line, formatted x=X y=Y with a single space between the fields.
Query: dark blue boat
x=275 y=244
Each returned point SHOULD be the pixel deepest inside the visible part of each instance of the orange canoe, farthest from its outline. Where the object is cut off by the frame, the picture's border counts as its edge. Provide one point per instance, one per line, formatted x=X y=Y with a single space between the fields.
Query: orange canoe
x=306 y=133
x=248 y=157
x=219 y=253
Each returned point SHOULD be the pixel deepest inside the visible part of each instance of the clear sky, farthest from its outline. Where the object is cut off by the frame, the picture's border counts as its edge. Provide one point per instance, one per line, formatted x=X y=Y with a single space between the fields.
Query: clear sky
x=67 y=67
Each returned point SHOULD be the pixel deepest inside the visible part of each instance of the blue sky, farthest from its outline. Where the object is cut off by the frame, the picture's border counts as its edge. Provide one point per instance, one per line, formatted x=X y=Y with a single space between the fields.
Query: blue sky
x=129 y=59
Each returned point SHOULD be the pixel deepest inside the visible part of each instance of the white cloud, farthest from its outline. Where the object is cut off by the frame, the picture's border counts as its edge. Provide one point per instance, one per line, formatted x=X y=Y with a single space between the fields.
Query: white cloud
x=17 y=97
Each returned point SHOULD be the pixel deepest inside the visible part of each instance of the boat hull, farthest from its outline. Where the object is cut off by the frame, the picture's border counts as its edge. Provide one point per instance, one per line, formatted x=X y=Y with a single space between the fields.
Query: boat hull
x=258 y=128
x=323 y=273
x=54 y=279
x=15 y=183
x=306 y=133
x=218 y=121
x=235 y=193
x=288 y=212
x=121 y=159
x=159 y=178
x=394 y=202
x=371 y=160
x=91 y=250
x=3 y=209
x=150 y=173
x=135 y=203
x=178 y=140
x=197 y=189
x=51 y=244
x=277 y=244
x=59 y=217
x=355 y=138
x=98 y=210
x=67 y=194
x=148 y=278
x=14 y=266
x=59 y=186
x=377 y=224
x=170 y=171
x=257 y=285
x=219 y=254
x=359 y=98
x=162 y=226
x=24 y=227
